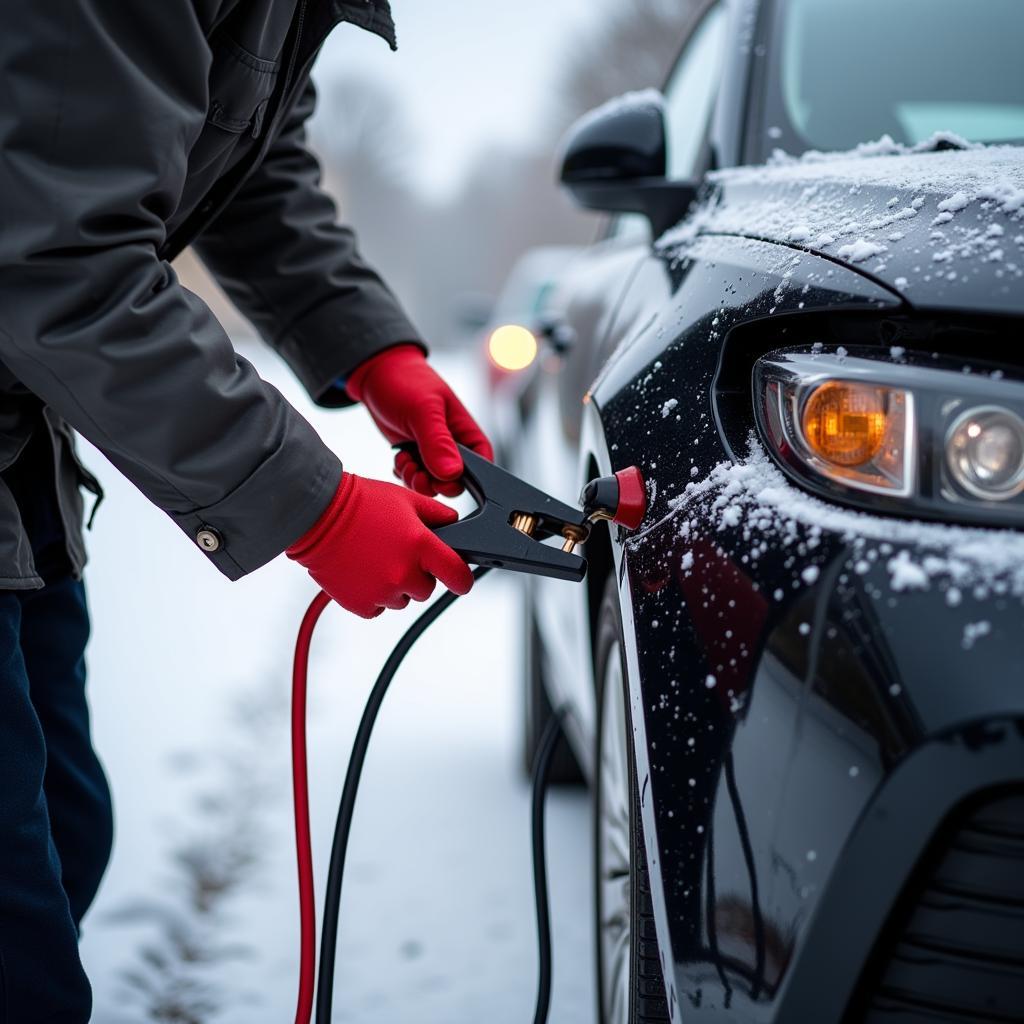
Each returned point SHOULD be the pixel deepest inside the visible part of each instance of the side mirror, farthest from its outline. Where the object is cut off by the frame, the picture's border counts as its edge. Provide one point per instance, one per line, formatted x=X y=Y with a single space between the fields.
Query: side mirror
x=615 y=160
x=559 y=334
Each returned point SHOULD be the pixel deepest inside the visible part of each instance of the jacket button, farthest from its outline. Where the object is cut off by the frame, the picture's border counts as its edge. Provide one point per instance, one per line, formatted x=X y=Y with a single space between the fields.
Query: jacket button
x=209 y=539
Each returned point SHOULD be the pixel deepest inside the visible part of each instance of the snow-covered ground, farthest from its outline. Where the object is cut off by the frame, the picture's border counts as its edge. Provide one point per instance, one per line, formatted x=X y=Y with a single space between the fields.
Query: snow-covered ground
x=189 y=679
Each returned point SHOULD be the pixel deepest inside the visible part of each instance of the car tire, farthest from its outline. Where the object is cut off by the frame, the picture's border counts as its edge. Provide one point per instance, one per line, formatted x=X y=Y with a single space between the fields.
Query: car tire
x=537 y=711
x=630 y=986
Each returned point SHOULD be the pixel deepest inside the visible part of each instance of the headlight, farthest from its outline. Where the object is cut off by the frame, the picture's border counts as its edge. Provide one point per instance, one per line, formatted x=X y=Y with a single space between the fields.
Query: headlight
x=512 y=347
x=857 y=433
x=985 y=451
x=902 y=435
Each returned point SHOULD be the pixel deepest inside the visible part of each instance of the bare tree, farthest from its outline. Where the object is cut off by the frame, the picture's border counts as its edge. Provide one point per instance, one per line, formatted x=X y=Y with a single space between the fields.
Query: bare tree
x=365 y=143
x=632 y=47
x=510 y=201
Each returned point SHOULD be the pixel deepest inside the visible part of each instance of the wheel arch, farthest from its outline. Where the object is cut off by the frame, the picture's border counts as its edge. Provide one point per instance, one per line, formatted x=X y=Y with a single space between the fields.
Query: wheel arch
x=607 y=559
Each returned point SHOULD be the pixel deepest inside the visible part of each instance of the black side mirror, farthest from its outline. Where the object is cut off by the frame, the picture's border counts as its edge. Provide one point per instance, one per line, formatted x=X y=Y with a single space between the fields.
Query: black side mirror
x=557 y=332
x=616 y=158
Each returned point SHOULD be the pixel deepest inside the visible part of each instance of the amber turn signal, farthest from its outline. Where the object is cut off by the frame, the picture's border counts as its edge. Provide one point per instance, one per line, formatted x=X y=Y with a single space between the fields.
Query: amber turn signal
x=845 y=422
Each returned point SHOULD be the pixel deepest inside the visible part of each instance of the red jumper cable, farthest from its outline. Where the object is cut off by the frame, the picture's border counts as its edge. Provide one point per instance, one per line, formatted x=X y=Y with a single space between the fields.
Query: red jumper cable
x=300 y=792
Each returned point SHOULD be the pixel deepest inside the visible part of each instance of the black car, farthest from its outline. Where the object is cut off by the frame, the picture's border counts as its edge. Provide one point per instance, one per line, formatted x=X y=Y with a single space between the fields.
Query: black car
x=798 y=688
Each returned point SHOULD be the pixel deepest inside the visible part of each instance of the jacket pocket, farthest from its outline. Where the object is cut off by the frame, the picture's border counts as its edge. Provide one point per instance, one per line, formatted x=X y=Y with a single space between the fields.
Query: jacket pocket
x=241 y=86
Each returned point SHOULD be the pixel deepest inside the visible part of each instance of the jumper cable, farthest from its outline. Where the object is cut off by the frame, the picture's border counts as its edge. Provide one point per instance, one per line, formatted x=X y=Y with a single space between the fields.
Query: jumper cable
x=505 y=531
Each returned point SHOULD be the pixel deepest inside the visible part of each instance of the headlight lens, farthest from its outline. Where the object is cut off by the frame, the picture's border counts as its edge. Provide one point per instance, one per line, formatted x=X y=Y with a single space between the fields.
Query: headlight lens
x=854 y=432
x=906 y=434
x=512 y=347
x=846 y=423
x=985 y=450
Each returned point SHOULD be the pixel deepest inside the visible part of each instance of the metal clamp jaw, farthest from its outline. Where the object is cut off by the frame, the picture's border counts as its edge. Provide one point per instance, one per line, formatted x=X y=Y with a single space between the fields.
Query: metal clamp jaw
x=513 y=517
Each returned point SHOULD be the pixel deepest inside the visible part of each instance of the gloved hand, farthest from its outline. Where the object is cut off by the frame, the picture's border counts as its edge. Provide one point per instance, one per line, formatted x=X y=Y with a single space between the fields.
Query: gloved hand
x=410 y=402
x=372 y=548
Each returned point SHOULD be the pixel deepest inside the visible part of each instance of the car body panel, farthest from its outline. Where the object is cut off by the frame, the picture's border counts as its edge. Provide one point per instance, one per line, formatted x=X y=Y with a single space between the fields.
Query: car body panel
x=551 y=434
x=898 y=217
x=886 y=844
x=689 y=294
x=833 y=686
x=834 y=691
x=793 y=744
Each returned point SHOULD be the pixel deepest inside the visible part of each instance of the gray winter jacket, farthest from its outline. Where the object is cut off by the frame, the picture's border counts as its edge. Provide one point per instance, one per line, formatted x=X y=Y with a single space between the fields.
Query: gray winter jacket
x=130 y=129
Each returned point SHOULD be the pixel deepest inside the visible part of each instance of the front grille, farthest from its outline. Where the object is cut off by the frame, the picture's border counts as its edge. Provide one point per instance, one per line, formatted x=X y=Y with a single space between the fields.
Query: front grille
x=955 y=948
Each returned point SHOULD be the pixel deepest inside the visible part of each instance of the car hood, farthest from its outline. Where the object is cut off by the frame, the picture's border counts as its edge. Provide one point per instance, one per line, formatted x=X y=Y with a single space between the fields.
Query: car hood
x=944 y=228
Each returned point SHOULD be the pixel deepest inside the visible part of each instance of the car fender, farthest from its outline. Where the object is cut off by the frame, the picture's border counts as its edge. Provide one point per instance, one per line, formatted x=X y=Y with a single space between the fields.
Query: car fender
x=670 y=328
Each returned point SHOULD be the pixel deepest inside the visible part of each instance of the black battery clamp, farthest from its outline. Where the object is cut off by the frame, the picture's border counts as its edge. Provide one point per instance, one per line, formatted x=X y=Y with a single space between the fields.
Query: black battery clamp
x=511 y=521
x=509 y=530
x=513 y=518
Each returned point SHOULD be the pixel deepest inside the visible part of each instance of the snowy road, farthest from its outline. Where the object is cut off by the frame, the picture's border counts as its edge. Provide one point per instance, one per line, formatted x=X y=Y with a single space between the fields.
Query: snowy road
x=189 y=685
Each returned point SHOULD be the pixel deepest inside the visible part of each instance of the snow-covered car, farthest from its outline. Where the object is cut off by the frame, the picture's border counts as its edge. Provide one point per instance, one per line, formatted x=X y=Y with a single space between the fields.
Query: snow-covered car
x=798 y=689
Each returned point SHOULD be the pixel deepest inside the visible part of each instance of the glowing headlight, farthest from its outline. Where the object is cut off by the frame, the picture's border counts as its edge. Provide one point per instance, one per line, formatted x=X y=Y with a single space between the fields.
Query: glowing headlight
x=512 y=347
x=914 y=435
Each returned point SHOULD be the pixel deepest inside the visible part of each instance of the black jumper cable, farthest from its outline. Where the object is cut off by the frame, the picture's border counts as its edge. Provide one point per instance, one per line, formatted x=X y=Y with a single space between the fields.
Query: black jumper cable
x=505 y=531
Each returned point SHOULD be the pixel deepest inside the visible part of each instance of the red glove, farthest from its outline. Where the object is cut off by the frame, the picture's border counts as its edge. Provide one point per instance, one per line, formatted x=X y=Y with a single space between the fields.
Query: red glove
x=372 y=549
x=410 y=402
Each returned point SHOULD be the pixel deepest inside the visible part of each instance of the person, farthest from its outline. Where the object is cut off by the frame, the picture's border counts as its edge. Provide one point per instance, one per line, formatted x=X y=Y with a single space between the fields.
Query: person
x=129 y=131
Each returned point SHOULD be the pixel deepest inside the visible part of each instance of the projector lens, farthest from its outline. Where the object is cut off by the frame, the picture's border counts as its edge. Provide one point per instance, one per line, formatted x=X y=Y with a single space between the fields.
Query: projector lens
x=985 y=452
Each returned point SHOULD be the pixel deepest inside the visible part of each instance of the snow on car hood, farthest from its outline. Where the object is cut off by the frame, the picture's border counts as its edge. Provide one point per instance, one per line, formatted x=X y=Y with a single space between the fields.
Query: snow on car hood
x=943 y=227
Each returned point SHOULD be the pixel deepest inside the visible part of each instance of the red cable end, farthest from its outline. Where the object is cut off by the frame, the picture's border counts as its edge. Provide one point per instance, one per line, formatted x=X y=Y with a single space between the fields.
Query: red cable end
x=632 y=498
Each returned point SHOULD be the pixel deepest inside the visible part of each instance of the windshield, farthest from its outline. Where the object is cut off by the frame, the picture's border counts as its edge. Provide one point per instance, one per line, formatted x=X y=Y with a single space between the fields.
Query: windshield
x=849 y=71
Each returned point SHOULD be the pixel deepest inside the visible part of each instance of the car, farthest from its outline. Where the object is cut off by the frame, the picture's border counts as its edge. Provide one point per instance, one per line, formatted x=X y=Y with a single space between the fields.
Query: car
x=510 y=338
x=797 y=690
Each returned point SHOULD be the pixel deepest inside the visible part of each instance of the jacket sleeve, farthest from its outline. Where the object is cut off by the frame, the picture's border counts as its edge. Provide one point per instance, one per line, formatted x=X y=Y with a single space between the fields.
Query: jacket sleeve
x=296 y=273
x=100 y=102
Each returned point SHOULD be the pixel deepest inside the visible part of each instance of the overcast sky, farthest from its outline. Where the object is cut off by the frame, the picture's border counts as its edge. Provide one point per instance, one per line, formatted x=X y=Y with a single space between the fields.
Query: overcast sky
x=467 y=72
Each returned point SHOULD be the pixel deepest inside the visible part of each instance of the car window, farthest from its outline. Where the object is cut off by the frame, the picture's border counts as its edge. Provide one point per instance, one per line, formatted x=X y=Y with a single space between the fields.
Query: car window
x=691 y=92
x=850 y=71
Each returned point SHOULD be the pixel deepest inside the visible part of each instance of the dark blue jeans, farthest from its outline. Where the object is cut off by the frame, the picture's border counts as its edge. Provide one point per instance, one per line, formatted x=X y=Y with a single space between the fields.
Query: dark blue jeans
x=56 y=824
